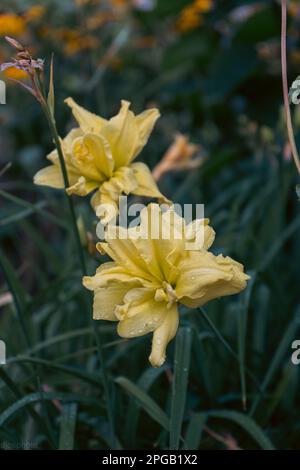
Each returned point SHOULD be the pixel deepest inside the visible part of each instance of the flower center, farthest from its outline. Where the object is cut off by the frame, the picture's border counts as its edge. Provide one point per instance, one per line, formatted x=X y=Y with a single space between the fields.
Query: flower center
x=166 y=293
x=81 y=153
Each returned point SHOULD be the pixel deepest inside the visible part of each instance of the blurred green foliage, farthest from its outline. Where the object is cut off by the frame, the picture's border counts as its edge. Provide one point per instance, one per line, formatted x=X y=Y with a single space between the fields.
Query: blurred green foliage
x=219 y=83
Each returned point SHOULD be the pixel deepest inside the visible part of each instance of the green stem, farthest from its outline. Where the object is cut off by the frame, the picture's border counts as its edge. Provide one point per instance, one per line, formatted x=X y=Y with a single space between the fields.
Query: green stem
x=56 y=139
x=57 y=143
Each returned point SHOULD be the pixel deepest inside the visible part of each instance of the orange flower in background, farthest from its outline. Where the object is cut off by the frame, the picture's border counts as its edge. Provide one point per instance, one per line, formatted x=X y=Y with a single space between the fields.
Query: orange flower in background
x=191 y=16
x=79 y=43
x=293 y=8
x=188 y=20
x=202 y=6
x=72 y=41
x=100 y=18
x=14 y=74
x=120 y=3
x=35 y=13
x=12 y=25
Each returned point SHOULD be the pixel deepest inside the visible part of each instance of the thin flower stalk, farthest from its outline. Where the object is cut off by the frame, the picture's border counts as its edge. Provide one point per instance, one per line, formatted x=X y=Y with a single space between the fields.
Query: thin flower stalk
x=285 y=88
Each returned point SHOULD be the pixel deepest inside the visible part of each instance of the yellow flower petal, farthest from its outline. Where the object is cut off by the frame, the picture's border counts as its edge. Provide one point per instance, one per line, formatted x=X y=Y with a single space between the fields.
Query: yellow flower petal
x=163 y=335
x=145 y=123
x=106 y=299
x=146 y=184
x=121 y=132
x=66 y=144
x=123 y=251
x=87 y=121
x=111 y=275
x=200 y=233
x=84 y=162
x=160 y=255
x=204 y=277
x=82 y=187
x=105 y=205
x=144 y=315
x=100 y=150
x=49 y=176
x=123 y=181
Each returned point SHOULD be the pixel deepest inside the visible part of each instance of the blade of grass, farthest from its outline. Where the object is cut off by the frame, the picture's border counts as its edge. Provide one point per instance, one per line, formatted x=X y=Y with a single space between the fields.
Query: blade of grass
x=18 y=295
x=279 y=354
x=85 y=376
x=31 y=411
x=226 y=344
x=194 y=431
x=145 y=401
x=180 y=380
x=49 y=396
x=279 y=242
x=19 y=216
x=34 y=208
x=67 y=427
x=247 y=423
x=242 y=332
x=278 y=394
x=148 y=377
x=49 y=253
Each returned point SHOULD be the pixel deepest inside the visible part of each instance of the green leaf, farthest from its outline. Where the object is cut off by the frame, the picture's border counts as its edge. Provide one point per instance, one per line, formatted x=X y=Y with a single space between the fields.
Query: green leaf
x=280 y=352
x=225 y=343
x=230 y=68
x=31 y=411
x=260 y=27
x=180 y=381
x=34 y=208
x=82 y=375
x=194 y=431
x=278 y=243
x=67 y=427
x=18 y=294
x=242 y=334
x=148 y=377
x=247 y=423
x=37 y=397
x=146 y=402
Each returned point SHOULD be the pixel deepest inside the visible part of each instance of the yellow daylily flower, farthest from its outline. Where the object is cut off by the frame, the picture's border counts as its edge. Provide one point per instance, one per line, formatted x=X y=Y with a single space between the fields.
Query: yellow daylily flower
x=152 y=273
x=99 y=156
